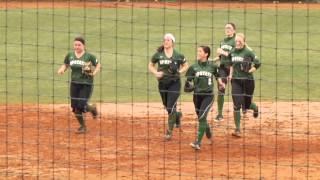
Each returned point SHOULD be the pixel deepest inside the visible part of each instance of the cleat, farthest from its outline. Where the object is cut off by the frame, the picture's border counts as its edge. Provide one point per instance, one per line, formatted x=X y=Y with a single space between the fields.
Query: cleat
x=195 y=145
x=236 y=133
x=81 y=130
x=208 y=132
x=218 y=118
x=168 y=136
x=178 y=120
x=256 y=112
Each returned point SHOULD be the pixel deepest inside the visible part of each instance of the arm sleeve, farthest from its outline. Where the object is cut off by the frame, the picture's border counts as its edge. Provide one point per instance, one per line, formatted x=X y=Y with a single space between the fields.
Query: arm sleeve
x=190 y=73
x=66 y=59
x=256 y=61
x=155 y=58
x=94 y=60
x=183 y=59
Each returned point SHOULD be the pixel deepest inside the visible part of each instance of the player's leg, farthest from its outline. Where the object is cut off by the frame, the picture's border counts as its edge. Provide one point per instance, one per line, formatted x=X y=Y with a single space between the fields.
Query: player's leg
x=163 y=90
x=84 y=95
x=206 y=103
x=172 y=99
x=75 y=101
x=249 y=90
x=92 y=108
x=223 y=73
x=237 y=97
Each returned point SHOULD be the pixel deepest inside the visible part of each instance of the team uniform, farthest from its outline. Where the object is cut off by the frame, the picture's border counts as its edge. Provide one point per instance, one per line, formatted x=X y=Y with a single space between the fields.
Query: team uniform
x=227 y=45
x=202 y=74
x=243 y=83
x=169 y=85
x=81 y=85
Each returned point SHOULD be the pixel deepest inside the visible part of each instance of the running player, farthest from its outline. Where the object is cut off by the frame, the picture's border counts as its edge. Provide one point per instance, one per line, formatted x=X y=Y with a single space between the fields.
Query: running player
x=244 y=64
x=81 y=85
x=201 y=75
x=170 y=64
x=223 y=51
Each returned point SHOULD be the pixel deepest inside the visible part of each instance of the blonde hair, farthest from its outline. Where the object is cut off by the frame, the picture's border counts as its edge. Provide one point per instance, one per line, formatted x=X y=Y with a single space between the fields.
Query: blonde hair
x=244 y=39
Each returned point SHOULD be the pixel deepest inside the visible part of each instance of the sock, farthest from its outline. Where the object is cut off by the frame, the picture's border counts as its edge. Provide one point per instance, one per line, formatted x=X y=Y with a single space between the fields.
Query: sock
x=201 y=129
x=178 y=114
x=237 y=117
x=171 y=121
x=80 y=119
x=253 y=106
x=220 y=101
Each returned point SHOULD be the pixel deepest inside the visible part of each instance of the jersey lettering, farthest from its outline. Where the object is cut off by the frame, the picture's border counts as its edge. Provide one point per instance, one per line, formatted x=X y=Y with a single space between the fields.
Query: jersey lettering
x=164 y=61
x=226 y=47
x=204 y=73
x=237 y=59
x=76 y=62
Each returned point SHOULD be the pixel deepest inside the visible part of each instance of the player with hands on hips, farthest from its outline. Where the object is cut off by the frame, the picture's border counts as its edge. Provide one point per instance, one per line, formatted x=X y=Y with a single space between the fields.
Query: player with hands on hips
x=226 y=45
x=244 y=64
x=170 y=64
x=84 y=66
x=200 y=80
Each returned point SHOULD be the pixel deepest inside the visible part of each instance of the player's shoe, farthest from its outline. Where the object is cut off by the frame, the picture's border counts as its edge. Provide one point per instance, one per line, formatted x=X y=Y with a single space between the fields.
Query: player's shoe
x=196 y=145
x=178 y=119
x=256 y=112
x=94 y=111
x=82 y=130
x=208 y=132
x=168 y=135
x=236 y=133
x=244 y=111
x=218 y=118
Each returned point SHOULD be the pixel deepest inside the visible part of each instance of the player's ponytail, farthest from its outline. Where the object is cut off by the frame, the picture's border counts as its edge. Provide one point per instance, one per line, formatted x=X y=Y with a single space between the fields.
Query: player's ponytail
x=160 y=48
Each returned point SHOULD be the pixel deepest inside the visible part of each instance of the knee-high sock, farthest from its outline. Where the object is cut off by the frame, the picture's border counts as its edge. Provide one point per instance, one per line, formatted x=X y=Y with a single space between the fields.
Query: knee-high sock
x=201 y=129
x=237 y=117
x=220 y=102
x=253 y=106
x=171 y=120
x=80 y=118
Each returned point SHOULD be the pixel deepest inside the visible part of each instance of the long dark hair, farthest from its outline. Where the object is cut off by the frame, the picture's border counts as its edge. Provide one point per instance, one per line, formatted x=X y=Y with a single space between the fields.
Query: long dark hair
x=207 y=50
x=160 y=48
x=233 y=25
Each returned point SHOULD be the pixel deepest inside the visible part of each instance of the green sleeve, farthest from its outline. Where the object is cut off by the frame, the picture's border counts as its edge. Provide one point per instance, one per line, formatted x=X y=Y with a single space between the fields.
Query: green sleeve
x=155 y=58
x=66 y=59
x=256 y=61
x=183 y=59
x=94 y=60
x=190 y=73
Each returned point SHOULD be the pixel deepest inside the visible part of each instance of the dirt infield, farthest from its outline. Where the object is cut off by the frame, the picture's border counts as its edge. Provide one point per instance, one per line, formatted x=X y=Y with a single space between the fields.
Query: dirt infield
x=126 y=142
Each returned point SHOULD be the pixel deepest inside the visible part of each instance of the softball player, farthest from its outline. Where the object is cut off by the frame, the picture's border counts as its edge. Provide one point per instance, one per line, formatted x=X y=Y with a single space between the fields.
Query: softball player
x=223 y=51
x=244 y=64
x=201 y=76
x=81 y=85
x=170 y=64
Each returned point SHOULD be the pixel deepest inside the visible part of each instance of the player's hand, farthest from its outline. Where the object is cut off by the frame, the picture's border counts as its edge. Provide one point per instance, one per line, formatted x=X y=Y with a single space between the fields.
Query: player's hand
x=221 y=52
x=60 y=71
x=159 y=74
x=229 y=77
x=222 y=86
x=252 y=70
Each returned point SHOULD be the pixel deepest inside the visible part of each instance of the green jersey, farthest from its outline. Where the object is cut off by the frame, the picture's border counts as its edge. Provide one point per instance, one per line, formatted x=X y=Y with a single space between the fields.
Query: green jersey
x=76 y=67
x=237 y=56
x=227 y=45
x=163 y=64
x=201 y=73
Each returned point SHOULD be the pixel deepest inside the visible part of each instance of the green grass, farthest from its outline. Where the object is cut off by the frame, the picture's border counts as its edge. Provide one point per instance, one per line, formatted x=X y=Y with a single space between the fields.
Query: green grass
x=34 y=43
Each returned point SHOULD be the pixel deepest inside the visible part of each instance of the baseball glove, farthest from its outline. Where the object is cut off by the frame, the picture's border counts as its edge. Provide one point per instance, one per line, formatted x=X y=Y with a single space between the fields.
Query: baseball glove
x=173 y=68
x=87 y=69
x=188 y=86
x=246 y=64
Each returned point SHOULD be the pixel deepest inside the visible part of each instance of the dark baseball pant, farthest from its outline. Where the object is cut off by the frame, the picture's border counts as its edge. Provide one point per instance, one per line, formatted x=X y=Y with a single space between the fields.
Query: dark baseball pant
x=80 y=94
x=242 y=93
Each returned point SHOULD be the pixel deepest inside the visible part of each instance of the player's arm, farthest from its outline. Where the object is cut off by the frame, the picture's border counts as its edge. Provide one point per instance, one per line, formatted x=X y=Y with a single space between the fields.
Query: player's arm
x=97 y=69
x=255 y=65
x=184 y=67
x=63 y=69
x=231 y=72
x=153 y=69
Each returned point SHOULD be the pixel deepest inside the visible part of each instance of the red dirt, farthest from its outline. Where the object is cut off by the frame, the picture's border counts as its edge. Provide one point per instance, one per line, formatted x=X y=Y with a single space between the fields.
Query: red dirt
x=127 y=142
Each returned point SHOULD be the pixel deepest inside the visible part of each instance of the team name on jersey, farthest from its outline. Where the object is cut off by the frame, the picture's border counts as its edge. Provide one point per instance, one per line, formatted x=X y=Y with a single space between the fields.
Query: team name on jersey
x=164 y=61
x=76 y=62
x=204 y=73
x=226 y=47
x=237 y=59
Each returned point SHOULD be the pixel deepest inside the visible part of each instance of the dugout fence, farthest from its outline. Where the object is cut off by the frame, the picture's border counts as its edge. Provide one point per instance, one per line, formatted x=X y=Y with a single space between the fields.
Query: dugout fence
x=37 y=125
